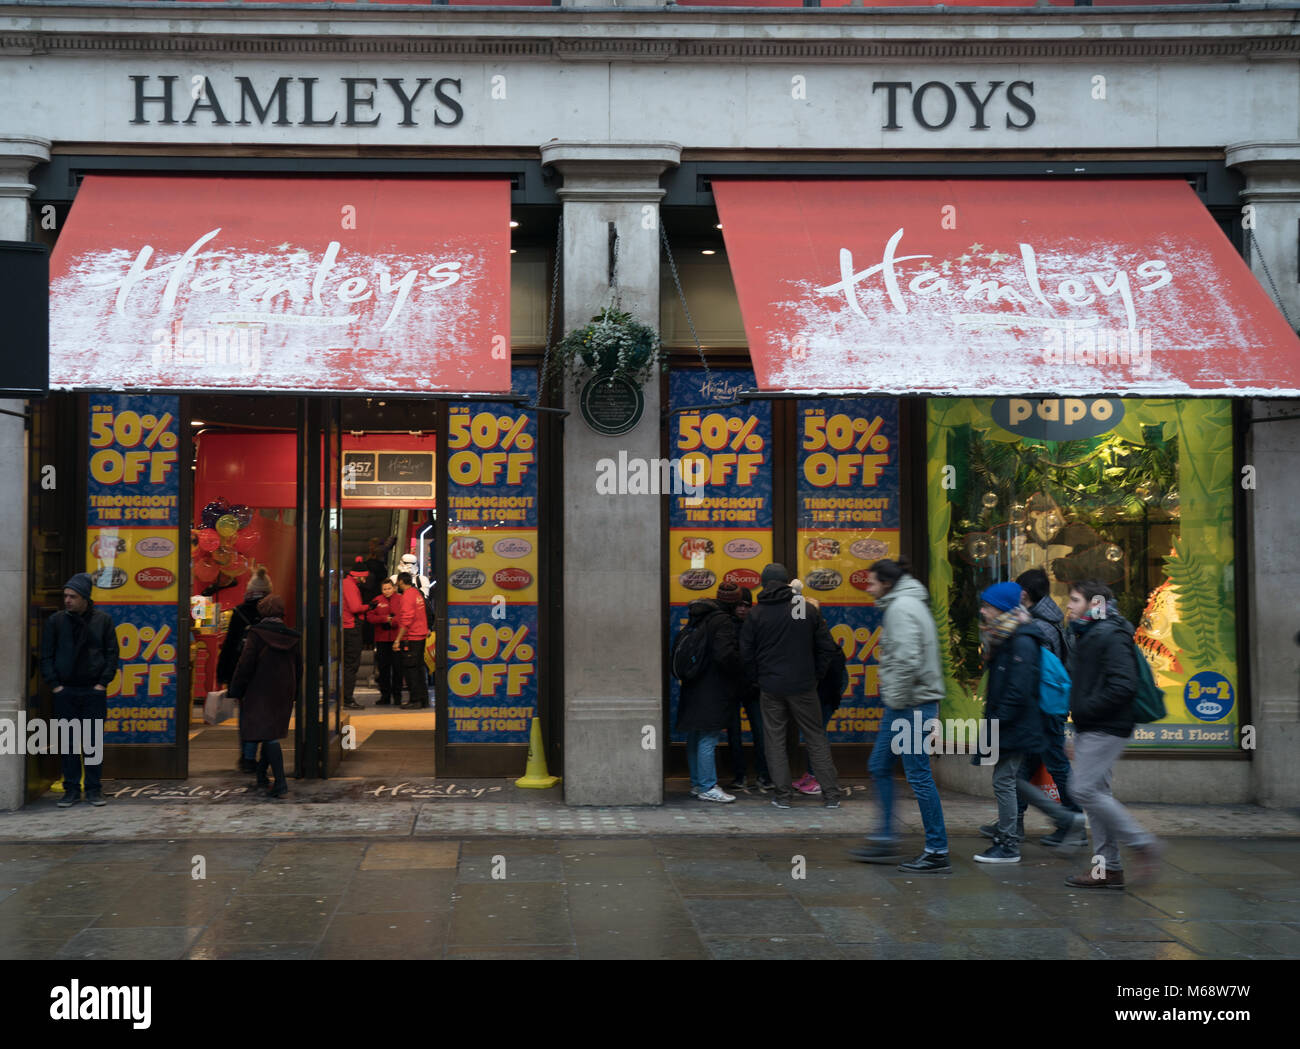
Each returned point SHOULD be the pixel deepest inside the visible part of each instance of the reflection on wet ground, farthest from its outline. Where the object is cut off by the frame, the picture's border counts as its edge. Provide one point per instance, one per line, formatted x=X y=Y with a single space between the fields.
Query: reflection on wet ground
x=684 y=896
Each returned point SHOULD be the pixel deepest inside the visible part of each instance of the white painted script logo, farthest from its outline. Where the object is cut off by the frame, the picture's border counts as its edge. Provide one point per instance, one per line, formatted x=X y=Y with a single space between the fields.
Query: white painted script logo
x=262 y=279
x=1070 y=291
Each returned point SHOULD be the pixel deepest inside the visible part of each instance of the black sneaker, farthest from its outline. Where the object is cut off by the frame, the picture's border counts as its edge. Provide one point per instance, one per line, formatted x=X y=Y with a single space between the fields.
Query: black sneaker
x=70 y=798
x=764 y=784
x=1000 y=852
x=936 y=862
x=737 y=784
x=780 y=802
x=831 y=803
x=1074 y=835
x=353 y=705
x=96 y=798
x=877 y=852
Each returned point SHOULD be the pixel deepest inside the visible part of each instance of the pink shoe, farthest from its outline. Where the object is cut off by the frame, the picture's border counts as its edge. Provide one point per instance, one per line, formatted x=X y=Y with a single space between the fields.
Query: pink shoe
x=808 y=785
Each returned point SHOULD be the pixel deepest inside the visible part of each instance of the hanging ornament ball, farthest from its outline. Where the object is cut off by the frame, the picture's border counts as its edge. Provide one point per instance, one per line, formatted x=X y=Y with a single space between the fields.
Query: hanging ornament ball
x=247 y=539
x=208 y=540
x=1170 y=503
x=213 y=511
x=979 y=549
x=243 y=514
x=1018 y=513
x=990 y=500
x=1147 y=492
x=227 y=525
x=205 y=570
x=1114 y=553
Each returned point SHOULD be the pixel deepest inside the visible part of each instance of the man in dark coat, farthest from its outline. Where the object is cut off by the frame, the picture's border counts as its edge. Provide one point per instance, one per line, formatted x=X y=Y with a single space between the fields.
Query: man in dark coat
x=266 y=684
x=705 y=702
x=787 y=648
x=78 y=662
x=1103 y=684
x=1011 y=651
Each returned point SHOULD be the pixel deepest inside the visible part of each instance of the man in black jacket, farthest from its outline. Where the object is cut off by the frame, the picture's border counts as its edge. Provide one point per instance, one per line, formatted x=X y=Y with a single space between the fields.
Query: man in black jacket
x=787 y=649
x=78 y=662
x=1103 y=684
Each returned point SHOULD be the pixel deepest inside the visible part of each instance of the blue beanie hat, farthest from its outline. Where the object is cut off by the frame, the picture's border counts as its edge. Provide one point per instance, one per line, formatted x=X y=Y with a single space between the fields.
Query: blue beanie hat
x=1002 y=596
x=81 y=583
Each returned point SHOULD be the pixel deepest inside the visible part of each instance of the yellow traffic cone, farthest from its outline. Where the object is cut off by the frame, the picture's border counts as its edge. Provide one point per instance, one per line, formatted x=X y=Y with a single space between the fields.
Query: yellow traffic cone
x=536 y=774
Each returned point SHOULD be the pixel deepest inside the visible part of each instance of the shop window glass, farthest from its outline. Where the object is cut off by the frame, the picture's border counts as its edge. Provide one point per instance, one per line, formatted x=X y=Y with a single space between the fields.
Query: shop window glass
x=493 y=518
x=1134 y=493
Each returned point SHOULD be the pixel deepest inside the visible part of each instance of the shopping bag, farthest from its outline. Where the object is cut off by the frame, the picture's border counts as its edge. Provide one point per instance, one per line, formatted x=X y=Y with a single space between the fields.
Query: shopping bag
x=430 y=652
x=1042 y=779
x=218 y=707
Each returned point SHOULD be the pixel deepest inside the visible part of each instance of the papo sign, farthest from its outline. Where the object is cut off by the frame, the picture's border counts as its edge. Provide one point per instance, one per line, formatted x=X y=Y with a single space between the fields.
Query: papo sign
x=1058 y=418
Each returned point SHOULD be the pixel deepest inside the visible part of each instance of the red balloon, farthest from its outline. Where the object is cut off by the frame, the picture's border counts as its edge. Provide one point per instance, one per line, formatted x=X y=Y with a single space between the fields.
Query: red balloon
x=205 y=570
x=208 y=540
x=246 y=541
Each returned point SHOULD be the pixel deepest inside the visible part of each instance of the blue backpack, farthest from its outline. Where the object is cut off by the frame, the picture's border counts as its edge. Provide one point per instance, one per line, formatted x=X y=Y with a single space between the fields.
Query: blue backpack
x=1053 y=684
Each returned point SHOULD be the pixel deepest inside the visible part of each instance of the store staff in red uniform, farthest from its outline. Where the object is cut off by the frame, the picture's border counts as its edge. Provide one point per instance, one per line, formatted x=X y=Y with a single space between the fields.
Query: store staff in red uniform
x=354 y=610
x=412 y=630
x=382 y=615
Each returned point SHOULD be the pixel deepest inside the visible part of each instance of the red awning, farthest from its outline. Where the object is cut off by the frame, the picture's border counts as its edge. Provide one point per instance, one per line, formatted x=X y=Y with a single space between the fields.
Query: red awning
x=993 y=288
x=347 y=285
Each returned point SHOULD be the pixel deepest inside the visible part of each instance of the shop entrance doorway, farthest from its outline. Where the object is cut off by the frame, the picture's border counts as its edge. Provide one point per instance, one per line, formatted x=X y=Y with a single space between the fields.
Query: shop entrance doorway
x=290 y=497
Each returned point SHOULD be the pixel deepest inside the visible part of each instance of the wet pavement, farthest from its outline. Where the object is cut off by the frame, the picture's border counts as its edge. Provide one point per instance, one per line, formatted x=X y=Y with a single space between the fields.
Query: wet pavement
x=647 y=895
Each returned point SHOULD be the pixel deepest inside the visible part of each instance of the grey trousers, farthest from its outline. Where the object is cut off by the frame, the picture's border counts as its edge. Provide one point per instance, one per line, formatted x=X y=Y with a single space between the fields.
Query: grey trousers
x=806 y=711
x=1095 y=754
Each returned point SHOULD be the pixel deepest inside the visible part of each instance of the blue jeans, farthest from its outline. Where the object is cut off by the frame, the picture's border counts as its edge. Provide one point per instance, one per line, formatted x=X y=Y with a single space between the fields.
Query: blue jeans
x=916 y=767
x=699 y=756
x=81 y=703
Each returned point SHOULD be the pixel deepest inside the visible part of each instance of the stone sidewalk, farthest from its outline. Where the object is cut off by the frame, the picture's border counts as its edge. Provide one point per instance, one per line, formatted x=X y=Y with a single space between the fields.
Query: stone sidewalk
x=627 y=896
x=224 y=807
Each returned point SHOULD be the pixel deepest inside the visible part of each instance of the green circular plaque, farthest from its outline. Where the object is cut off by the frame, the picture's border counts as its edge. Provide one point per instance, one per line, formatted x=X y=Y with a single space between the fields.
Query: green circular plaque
x=611 y=405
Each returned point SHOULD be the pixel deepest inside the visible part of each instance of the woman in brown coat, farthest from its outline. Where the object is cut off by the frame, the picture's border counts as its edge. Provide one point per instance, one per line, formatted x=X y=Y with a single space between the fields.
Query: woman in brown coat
x=266 y=684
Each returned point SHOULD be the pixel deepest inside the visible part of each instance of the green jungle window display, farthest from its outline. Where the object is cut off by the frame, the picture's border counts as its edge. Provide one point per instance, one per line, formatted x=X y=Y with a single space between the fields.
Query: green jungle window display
x=1136 y=493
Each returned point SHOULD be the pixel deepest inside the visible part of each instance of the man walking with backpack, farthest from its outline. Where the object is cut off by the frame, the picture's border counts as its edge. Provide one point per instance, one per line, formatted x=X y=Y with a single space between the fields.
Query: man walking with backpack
x=786 y=646
x=1011 y=642
x=706 y=659
x=412 y=630
x=78 y=662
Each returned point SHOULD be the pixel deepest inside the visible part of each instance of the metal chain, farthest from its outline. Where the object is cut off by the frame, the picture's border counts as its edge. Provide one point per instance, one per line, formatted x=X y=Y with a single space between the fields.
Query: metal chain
x=550 y=316
x=681 y=295
x=1252 y=242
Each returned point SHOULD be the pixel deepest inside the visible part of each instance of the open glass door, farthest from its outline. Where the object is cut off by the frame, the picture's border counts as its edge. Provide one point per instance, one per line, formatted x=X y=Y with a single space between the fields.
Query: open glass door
x=320 y=729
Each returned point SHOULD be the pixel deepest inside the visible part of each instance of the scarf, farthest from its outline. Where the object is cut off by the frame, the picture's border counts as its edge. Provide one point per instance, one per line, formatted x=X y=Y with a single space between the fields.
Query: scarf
x=1002 y=627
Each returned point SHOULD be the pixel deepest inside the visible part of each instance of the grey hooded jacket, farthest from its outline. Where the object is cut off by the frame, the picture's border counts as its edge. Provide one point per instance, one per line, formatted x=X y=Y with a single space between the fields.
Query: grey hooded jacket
x=908 y=653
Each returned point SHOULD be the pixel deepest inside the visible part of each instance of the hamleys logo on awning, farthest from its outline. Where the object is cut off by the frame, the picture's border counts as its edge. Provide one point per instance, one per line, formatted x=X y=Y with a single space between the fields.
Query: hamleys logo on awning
x=286 y=284
x=971 y=280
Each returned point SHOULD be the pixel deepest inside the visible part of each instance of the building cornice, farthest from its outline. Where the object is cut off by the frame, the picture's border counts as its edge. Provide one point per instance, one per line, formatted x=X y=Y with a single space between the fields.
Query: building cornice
x=640 y=35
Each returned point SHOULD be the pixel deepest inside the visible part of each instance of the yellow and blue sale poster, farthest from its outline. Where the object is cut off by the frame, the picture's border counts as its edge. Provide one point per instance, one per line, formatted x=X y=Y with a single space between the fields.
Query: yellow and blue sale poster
x=720 y=521
x=492 y=563
x=849 y=517
x=133 y=557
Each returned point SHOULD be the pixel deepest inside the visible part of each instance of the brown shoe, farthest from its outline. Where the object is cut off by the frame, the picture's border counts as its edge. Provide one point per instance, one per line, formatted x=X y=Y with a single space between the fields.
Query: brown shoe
x=1111 y=880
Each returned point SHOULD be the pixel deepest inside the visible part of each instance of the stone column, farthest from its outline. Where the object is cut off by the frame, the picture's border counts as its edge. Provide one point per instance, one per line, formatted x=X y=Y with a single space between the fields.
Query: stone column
x=18 y=155
x=613 y=612
x=1272 y=171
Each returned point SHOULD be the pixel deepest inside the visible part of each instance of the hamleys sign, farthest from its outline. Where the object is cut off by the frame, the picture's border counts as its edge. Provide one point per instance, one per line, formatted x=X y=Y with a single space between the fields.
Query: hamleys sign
x=348 y=285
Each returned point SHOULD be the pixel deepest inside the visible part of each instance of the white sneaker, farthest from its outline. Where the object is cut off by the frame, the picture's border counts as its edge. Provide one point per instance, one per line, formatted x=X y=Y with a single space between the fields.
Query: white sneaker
x=715 y=793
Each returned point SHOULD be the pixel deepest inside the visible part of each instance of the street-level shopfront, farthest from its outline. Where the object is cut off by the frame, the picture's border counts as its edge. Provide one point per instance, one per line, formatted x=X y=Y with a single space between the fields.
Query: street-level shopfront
x=1042 y=354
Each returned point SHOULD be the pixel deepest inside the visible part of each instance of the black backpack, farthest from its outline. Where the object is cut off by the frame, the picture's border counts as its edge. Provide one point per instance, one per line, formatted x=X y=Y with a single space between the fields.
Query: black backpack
x=690 y=657
x=428 y=608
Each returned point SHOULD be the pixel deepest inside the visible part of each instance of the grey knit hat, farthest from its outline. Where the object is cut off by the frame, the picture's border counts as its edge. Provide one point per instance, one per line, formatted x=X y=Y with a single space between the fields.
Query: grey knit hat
x=81 y=583
x=259 y=586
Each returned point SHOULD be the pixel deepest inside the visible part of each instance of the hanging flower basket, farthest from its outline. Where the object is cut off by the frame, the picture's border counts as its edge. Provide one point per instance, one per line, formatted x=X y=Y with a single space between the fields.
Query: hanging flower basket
x=612 y=343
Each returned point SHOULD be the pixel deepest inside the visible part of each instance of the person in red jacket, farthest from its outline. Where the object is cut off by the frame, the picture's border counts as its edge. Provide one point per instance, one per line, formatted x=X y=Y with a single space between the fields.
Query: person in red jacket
x=412 y=629
x=382 y=616
x=354 y=610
